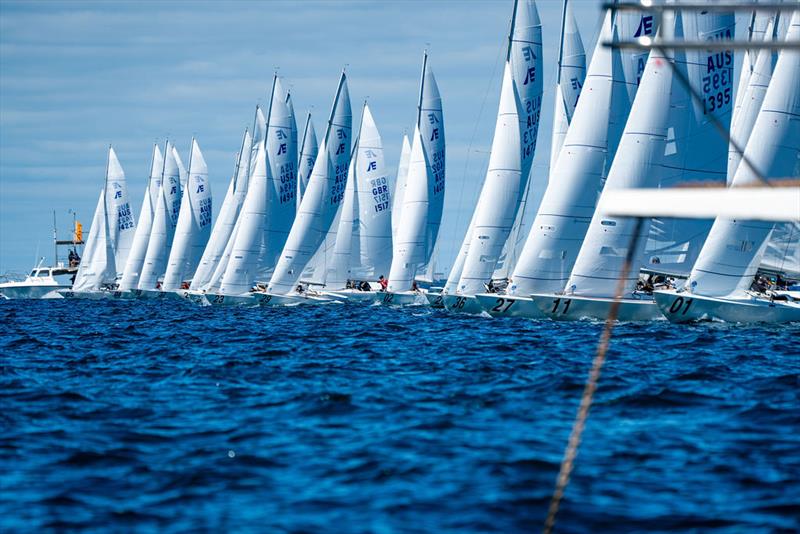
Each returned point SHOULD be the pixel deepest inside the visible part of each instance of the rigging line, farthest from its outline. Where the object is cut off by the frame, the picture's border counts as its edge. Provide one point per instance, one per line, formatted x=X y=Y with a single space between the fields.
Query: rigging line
x=590 y=388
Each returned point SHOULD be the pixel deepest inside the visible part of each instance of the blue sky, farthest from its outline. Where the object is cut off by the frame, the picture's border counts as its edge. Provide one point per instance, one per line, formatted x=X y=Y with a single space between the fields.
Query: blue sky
x=76 y=76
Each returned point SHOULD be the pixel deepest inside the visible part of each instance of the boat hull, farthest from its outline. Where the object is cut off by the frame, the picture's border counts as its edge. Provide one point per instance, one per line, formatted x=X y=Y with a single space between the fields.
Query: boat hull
x=573 y=308
x=435 y=300
x=401 y=298
x=20 y=291
x=84 y=295
x=352 y=295
x=686 y=307
x=509 y=306
x=462 y=304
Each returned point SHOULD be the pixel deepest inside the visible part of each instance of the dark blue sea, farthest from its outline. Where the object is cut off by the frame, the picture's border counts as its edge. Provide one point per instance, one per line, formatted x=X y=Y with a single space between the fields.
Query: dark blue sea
x=168 y=417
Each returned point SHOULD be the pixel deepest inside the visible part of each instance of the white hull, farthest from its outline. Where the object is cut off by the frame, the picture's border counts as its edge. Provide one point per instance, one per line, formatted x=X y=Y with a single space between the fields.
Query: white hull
x=686 y=307
x=509 y=306
x=18 y=290
x=401 y=298
x=84 y=295
x=352 y=295
x=462 y=304
x=573 y=308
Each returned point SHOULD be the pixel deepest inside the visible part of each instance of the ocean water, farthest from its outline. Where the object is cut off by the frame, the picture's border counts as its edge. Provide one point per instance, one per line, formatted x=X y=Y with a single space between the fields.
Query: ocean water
x=120 y=416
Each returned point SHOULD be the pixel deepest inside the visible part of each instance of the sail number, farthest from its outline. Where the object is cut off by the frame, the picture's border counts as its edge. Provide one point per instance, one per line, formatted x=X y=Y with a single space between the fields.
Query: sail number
x=388 y=297
x=502 y=305
x=564 y=309
x=459 y=303
x=680 y=303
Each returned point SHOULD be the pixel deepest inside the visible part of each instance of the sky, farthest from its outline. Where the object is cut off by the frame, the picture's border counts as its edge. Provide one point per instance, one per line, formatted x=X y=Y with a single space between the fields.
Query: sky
x=76 y=76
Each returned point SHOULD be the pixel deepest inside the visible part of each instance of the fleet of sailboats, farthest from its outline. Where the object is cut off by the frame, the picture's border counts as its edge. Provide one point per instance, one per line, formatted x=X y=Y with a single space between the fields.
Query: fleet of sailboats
x=307 y=221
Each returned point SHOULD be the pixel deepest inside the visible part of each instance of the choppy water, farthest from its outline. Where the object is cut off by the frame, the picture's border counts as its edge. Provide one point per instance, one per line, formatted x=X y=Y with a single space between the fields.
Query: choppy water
x=122 y=416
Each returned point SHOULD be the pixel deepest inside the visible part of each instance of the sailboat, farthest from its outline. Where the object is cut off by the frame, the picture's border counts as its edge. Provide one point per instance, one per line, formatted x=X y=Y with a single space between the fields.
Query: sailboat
x=194 y=225
x=363 y=248
x=507 y=178
x=268 y=210
x=133 y=266
x=318 y=208
x=423 y=200
x=165 y=219
x=110 y=238
x=721 y=285
x=569 y=200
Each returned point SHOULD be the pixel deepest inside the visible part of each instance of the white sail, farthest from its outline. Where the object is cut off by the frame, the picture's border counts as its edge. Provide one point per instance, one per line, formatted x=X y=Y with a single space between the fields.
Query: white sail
x=323 y=195
x=133 y=267
x=97 y=266
x=399 y=189
x=696 y=151
x=498 y=203
x=424 y=195
x=293 y=128
x=259 y=134
x=165 y=219
x=748 y=107
x=374 y=201
x=571 y=76
x=269 y=207
x=181 y=167
x=734 y=248
x=346 y=249
x=638 y=163
x=121 y=223
x=306 y=159
x=589 y=147
x=500 y=208
x=228 y=213
x=194 y=224
x=756 y=32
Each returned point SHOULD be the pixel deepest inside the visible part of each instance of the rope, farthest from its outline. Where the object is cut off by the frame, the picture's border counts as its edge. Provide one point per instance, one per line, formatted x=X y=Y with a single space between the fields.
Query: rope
x=589 y=389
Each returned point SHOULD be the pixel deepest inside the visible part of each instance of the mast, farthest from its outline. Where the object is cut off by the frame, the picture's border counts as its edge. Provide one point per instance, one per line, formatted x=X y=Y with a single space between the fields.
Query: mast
x=239 y=157
x=333 y=108
x=305 y=133
x=561 y=42
x=269 y=110
x=511 y=31
x=422 y=84
x=55 y=241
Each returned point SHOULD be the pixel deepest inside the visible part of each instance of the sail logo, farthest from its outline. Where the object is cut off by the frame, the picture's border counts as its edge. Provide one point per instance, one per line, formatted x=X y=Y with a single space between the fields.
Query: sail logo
x=528 y=53
x=200 y=188
x=432 y=118
x=435 y=134
x=340 y=150
x=118 y=194
x=282 y=149
x=370 y=153
x=645 y=26
x=280 y=134
x=576 y=84
x=530 y=76
x=373 y=165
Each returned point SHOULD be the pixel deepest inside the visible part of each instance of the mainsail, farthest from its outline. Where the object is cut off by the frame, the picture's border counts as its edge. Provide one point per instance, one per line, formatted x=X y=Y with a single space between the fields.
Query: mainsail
x=194 y=224
x=734 y=248
x=696 y=150
x=165 y=219
x=323 y=195
x=399 y=189
x=424 y=196
x=133 y=267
